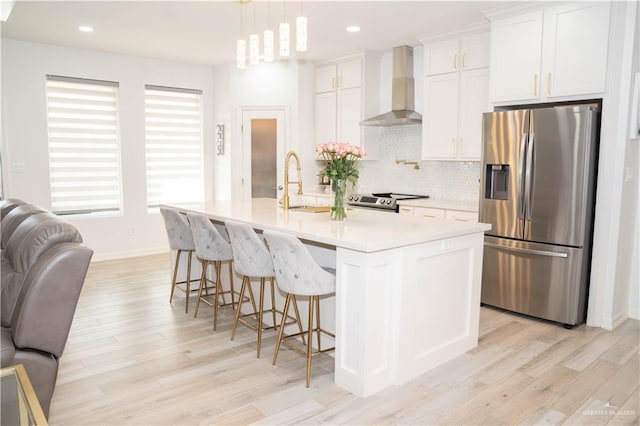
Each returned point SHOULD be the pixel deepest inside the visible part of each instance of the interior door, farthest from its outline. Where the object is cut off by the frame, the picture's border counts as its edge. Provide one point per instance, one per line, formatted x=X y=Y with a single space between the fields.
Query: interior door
x=261 y=166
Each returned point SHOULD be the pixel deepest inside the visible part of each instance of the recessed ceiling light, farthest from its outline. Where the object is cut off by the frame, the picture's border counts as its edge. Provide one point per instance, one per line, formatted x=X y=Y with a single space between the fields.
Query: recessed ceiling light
x=85 y=29
x=353 y=29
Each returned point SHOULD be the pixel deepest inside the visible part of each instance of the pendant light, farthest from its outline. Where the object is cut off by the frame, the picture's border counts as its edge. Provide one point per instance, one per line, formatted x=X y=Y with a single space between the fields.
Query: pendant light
x=241 y=46
x=254 y=41
x=267 y=38
x=284 y=33
x=301 y=31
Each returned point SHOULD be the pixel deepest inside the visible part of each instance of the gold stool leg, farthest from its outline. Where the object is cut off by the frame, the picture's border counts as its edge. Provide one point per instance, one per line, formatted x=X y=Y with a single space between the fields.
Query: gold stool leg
x=243 y=287
x=295 y=307
x=273 y=303
x=233 y=293
x=217 y=265
x=203 y=281
x=309 y=337
x=281 y=331
x=175 y=274
x=260 y=315
x=188 y=293
x=318 y=319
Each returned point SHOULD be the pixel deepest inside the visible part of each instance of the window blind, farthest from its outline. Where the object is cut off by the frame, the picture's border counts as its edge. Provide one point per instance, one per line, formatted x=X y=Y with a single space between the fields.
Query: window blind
x=173 y=140
x=84 y=145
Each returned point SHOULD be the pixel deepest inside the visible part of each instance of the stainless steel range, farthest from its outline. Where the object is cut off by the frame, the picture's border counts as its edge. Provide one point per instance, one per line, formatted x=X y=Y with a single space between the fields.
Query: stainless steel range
x=386 y=201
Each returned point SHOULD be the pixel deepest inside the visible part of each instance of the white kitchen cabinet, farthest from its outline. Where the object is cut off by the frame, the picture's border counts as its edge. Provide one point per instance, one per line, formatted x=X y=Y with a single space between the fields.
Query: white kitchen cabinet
x=554 y=54
x=464 y=53
x=341 y=87
x=461 y=216
x=431 y=212
x=454 y=102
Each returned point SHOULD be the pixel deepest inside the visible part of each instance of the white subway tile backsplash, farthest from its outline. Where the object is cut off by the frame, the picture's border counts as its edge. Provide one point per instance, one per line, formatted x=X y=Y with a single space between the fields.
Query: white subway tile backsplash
x=450 y=180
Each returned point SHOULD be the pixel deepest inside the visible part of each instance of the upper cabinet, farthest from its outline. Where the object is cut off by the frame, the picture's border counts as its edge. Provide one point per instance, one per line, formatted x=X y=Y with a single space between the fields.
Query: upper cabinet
x=456 y=93
x=342 y=87
x=465 y=53
x=555 y=54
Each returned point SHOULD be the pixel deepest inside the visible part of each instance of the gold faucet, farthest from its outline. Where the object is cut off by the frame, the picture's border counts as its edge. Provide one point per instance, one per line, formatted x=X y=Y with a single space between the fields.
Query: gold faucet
x=285 y=198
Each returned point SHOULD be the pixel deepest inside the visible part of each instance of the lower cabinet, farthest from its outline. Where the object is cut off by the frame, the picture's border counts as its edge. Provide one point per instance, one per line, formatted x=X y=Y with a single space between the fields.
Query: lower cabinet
x=459 y=215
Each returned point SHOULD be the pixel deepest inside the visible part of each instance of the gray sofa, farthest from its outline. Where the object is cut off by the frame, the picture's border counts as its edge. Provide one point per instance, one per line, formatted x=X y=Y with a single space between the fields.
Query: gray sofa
x=43 y=269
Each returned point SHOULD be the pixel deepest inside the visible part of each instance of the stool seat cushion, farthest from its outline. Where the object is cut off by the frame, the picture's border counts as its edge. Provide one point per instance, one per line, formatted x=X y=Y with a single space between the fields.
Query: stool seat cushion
x=250 y=254
x=178 y=230
x=209 y=243
x=297 y=272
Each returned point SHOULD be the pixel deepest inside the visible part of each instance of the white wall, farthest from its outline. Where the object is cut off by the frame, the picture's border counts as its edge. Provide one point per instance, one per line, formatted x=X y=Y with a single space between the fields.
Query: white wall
x=615 y=217
x=24 y=126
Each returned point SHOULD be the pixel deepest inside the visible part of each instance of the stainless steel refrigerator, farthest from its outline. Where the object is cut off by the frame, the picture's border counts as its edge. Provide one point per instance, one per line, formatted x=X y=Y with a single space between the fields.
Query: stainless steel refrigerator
x=537 y=192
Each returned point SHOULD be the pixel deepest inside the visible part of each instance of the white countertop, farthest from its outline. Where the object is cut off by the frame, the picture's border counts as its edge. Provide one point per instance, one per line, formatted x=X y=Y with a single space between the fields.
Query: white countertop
x=441 y=204
x=364 y=230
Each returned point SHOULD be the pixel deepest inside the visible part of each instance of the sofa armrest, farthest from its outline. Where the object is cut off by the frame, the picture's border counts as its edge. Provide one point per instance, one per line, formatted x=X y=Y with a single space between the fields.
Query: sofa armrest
x=47 y=302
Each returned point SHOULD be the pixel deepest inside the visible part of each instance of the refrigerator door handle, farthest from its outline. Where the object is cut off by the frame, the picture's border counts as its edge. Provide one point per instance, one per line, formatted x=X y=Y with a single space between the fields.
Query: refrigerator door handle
x=523 y=148
x=528 y=179
x=521 y=250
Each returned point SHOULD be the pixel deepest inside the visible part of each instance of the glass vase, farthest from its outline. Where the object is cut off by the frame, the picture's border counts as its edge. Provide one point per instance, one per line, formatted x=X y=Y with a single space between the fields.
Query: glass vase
x=338 y=200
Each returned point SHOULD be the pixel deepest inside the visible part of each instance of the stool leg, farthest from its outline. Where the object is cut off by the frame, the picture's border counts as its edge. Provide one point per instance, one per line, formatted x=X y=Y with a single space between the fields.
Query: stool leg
x=235 y=321
x=233 y=293
x=309 y=336
x=295 y=307
x=217 y=265
x=253 y=299
x=175 y=274
x=273 y=303
x=318 y=319
x=260 y=315
x=188 y=293
x=281 y=331
x=203 y=281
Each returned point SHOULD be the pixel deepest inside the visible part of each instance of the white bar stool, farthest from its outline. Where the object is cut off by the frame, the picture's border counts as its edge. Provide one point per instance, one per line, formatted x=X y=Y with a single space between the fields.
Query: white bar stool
x=298 y=274
x=181 y=240
x=251 y=258
x=212 y=248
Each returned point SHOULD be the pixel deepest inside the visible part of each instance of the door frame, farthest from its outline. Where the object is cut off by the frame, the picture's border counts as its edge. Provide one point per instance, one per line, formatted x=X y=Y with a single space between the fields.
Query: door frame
x=242 y=170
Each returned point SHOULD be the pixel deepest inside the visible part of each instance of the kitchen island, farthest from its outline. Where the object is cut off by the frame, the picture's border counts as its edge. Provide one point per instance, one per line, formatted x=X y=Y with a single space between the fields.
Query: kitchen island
x=407 y=290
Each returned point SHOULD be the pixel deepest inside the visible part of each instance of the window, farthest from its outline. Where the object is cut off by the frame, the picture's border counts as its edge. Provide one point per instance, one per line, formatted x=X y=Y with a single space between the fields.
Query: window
x=84 y=145
x=173 y=138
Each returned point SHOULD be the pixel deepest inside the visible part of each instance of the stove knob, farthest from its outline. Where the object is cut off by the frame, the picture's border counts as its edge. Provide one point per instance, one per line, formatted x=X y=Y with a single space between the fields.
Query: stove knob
x=350 y=197
x=389 y=201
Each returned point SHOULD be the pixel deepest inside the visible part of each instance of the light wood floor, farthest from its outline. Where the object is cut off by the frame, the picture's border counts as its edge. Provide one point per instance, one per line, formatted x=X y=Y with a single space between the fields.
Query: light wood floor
x=133 y=358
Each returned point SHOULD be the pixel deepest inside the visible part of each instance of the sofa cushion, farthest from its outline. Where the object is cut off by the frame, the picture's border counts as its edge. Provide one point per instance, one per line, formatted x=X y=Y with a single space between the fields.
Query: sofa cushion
x=14 y=218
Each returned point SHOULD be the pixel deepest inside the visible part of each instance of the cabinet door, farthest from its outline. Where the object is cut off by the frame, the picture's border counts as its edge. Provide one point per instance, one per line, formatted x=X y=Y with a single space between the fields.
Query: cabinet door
x=326 y=117
x=474 y=100
x=474 y=51
x=350 y=74
x=575 y=49
x=326 y=78
x=461 y=216
x=429 y=212
x=349 y=115
x=516 y=49
x=440 y=128
x=442 y=57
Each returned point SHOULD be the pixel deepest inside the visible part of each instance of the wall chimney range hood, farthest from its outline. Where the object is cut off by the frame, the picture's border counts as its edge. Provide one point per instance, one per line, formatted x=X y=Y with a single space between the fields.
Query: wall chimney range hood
x=402 y=93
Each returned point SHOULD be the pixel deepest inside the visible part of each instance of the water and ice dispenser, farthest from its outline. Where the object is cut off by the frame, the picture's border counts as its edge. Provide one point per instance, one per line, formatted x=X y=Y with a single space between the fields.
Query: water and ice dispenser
x=496 y=182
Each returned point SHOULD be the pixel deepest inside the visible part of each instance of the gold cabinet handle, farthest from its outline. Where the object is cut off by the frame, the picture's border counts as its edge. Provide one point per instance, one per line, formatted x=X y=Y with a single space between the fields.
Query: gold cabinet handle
x=549 y=84
x=461 y=146
x=453 y=146
x=333 y=82
x=535 y=85
x=464 y=60
x=455 y=61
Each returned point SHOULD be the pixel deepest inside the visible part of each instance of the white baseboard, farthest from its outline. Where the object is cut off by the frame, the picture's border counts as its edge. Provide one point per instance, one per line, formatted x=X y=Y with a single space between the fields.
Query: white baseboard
x=125 y=254
x=611 y=323
x=634 y=314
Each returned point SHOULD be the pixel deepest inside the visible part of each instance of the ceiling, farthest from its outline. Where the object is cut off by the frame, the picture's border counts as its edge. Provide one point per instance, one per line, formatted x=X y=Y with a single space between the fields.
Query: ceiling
x=204 y=32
